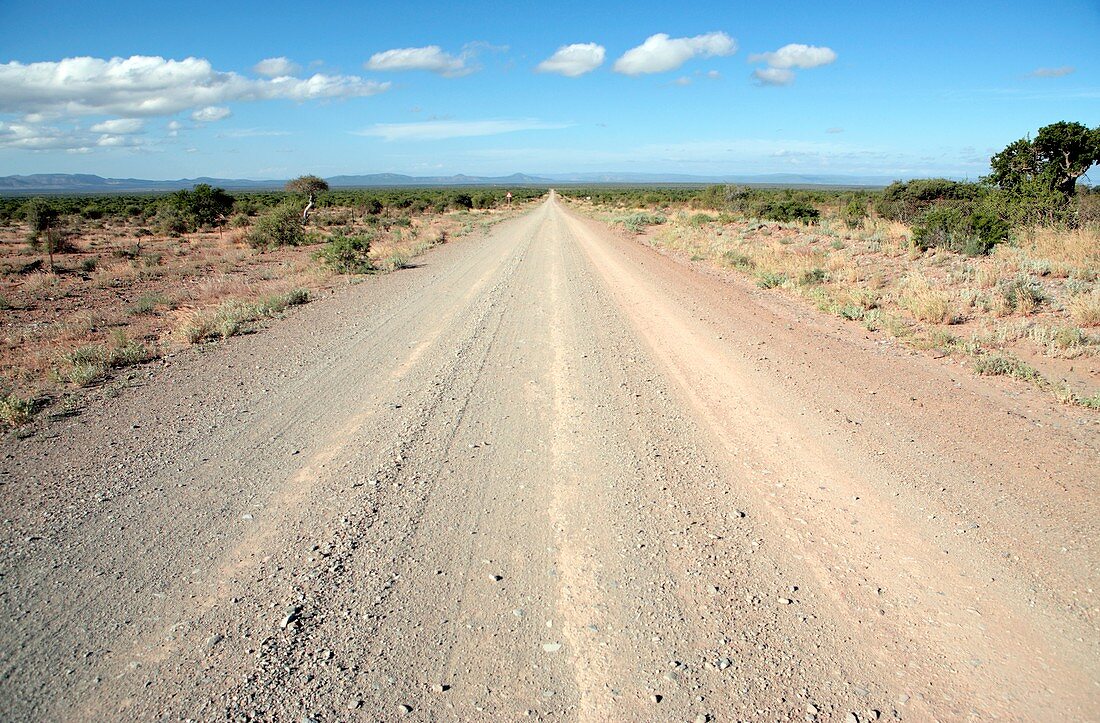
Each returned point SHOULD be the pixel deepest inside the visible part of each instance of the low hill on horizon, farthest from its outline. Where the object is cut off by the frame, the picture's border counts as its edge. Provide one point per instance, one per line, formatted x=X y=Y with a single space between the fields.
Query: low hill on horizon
x=90 y=183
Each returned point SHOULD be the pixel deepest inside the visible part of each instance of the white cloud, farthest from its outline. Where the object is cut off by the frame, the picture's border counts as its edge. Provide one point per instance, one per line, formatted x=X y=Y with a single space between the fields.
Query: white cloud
x=73 y=139
x=109 y=140
x=276 y=67
x=439 y=130
x=210 y=114
x=152 y=86
x=682 y=81
x=796 y=55
x=660 y=53
x=120 y=126
x=1052 y=72
x=834 y=129
x=773 y=76
x=431 y=57
x=32 y=137
x=573 y=60
x=713 y=74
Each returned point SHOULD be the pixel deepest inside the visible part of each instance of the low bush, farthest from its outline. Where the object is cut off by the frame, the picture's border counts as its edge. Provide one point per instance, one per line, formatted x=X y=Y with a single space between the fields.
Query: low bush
x=770 y=280
x=347 y=254
x=281 y=226
x=854 y=213
x=637 y=222
x=955 y=228
x=787 y=210
x=16 y=411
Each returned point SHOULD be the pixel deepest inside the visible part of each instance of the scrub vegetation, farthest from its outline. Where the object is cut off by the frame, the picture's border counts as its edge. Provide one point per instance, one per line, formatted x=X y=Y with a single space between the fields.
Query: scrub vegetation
x=1002 y=275
x=93 y=285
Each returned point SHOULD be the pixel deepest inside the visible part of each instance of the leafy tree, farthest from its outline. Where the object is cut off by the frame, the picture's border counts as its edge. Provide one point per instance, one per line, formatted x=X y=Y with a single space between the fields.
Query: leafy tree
x=203 y=205
x=1060 y=154
x=307 y=186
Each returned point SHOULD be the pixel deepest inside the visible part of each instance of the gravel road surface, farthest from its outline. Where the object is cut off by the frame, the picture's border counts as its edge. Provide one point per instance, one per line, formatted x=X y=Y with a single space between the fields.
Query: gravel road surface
x=550 y=473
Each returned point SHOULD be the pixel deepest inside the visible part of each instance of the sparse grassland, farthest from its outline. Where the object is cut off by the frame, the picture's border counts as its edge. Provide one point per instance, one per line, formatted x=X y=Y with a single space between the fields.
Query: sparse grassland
x=133 y=280
x=1027 y=306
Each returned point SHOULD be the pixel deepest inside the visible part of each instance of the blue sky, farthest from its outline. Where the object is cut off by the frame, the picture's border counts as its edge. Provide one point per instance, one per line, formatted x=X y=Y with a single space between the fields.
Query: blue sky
x=896 y=89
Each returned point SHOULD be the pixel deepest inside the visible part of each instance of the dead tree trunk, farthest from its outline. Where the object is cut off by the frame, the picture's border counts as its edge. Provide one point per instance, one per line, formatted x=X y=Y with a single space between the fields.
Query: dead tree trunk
x=309 y=207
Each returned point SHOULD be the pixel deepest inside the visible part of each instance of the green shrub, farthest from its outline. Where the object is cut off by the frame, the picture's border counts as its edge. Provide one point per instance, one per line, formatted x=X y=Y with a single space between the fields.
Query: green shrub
x=281 y=226
x=636 y=222
x=347 y=254
x=40 y=215
x=786 y=210
x=171 y=220
x=769 y=280
x=738 y=260
x=854 y=213
x=952 y=228
x=1001 y=363
x=812 y=277
x=904 y=201
x=15 y=411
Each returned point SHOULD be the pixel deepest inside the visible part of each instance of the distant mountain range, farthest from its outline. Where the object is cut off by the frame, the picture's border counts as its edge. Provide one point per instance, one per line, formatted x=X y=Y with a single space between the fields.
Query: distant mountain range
x=85 y=183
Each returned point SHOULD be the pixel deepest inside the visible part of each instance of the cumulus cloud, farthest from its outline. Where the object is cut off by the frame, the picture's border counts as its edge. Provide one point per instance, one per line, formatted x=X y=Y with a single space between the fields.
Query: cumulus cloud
x=32 y=137
x=443 y=129
x=73 y=139
x=431 y=58
x=796 y=55
x=574 y=60
x=151 y=86
x=773 y=76
x=1052 y=72
x=834 y=129
x=660 y=53
x=683 y=80
x=276 y=67
x=119 y=126
x=210 y=114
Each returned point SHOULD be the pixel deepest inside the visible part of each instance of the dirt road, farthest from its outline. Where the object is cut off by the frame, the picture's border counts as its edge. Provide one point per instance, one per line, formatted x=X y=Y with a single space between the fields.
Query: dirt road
x=549 y=472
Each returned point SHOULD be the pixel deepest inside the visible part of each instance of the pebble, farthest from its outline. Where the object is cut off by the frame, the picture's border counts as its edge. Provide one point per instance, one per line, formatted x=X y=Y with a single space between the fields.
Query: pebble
x=723 y=663
x=497 y=578
x=354 y=703
x=439 y=688
x=655 y=698
x=784 y=601
x=403 y=708
x=291 y=616
x=851 y=718
x=551 y=647
x=811 y=709
x=702 y=718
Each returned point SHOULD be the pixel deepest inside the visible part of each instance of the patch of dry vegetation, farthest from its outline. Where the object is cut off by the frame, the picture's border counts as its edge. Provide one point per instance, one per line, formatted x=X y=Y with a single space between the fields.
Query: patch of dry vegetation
x=1028 y=310
x=121 y=295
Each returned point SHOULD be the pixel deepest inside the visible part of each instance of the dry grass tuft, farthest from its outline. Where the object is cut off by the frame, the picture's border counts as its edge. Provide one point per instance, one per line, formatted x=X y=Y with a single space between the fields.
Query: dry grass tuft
x=1084 y=309
x=926 y=302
